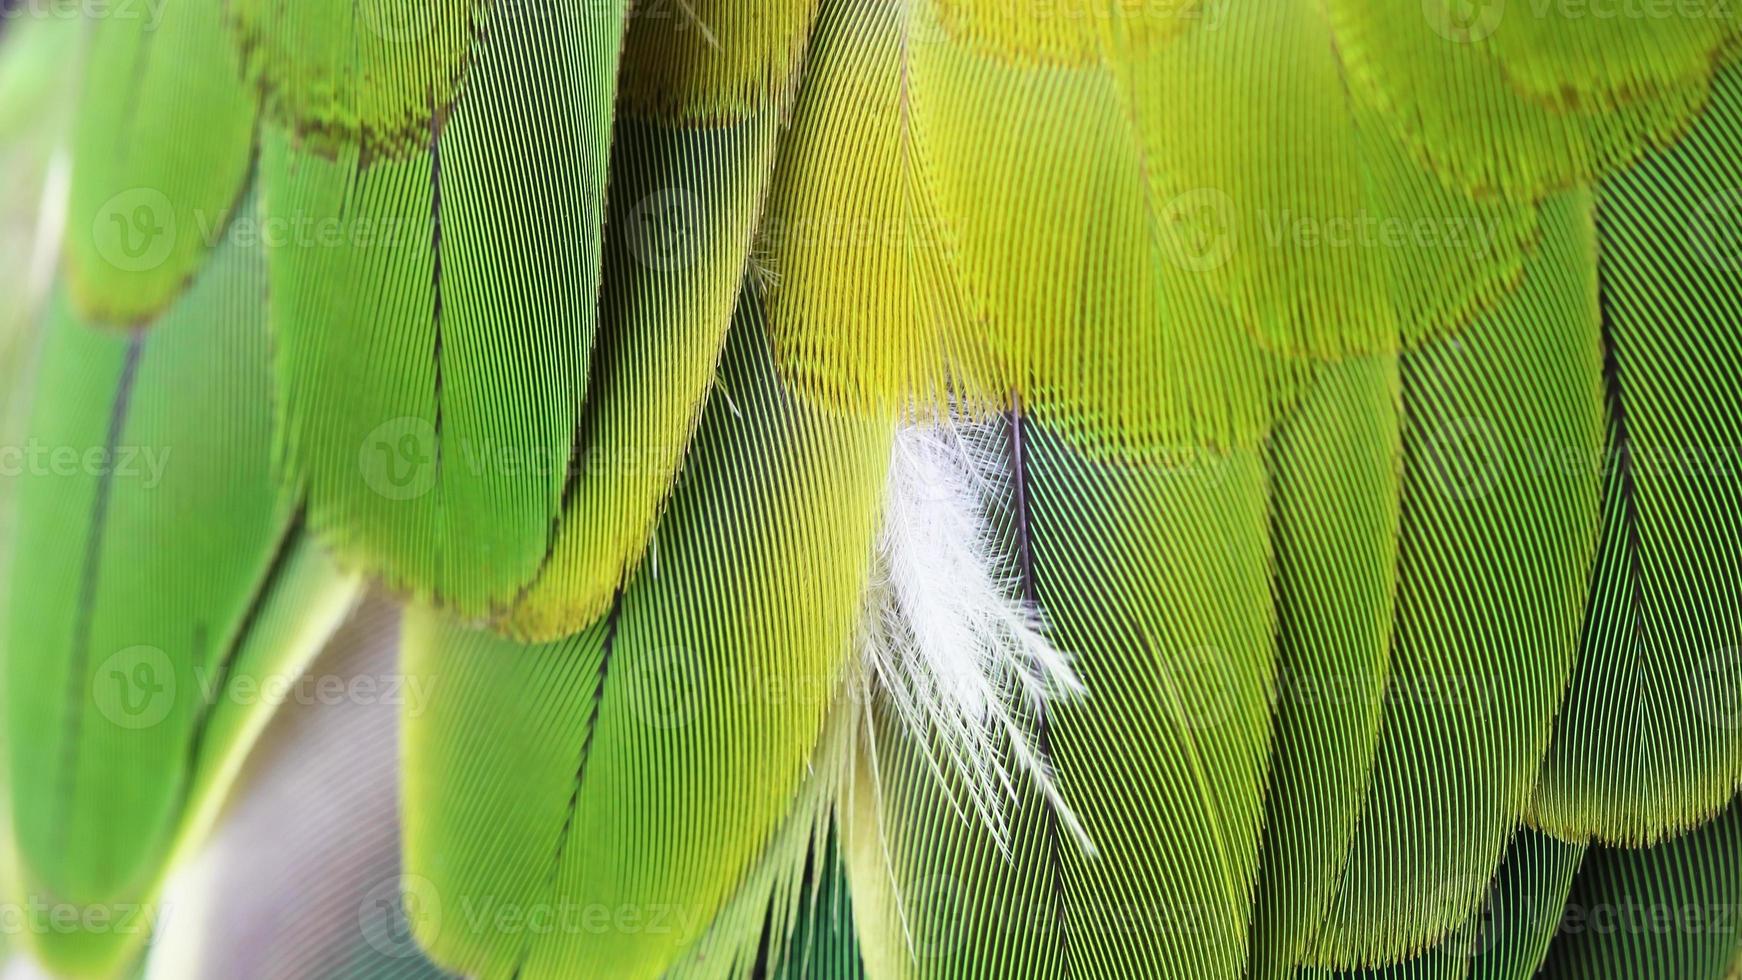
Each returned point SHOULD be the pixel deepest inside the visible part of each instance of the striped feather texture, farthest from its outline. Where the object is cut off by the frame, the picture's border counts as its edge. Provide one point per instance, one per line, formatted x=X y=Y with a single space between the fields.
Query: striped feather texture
x=130 y=633
x=1360 y=389
x=644 y=763
x=435 y=323
x=1647 y=744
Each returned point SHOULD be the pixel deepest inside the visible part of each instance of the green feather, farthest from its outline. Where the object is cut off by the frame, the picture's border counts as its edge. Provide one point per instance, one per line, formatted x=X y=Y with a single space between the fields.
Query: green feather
x=792 y=913
x=1375 y=373
x=1495 y=537
x=165 y=564
x=362 y=73
x=300 y=876
x=39 y=61
x=1335 y=464
x=1669 y=910
x=163 y=145
x=825 y=942
x=1523 y=913
x=683 y=203
x=434 y=304
x=1647 y=743
x=934 y=892
x=1507 y=938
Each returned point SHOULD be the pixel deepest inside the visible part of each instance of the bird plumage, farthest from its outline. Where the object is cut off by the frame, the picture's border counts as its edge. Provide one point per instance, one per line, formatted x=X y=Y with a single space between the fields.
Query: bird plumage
x=1330 y=405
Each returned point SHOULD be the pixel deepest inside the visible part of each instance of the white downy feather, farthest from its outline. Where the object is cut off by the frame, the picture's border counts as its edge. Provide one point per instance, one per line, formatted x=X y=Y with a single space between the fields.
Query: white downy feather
x=947 y=634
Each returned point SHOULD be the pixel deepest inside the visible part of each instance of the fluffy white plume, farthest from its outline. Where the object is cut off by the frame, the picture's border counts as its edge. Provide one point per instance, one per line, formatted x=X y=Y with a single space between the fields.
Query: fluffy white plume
x=947 y=634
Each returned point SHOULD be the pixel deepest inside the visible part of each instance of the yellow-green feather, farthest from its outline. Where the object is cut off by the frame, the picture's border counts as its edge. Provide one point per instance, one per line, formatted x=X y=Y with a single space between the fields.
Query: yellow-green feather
x=1647 y=743
x=645 y=762
x=1155 y=579
x=1336 y=477
x=683 y=204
